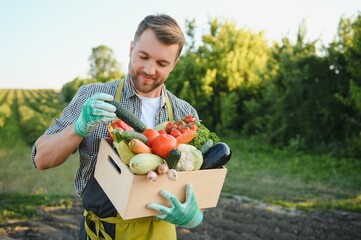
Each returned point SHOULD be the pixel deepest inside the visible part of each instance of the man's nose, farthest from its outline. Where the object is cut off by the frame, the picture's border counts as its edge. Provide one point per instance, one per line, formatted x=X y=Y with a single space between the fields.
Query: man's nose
x=150 y=67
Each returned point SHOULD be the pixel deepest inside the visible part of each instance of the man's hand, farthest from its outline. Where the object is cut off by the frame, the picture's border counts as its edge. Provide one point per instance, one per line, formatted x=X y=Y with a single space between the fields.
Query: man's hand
x=94 y=111
x=185 y=214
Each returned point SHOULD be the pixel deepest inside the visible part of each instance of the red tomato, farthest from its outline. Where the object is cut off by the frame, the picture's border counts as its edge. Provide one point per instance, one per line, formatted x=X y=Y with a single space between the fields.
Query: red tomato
x=162 y=131
x=183 y=129
x=163 y=144
x=193 y=127
x=181 y=122
x=175 y=133
x=151 y=134
x=189 y=119
x=169 y=127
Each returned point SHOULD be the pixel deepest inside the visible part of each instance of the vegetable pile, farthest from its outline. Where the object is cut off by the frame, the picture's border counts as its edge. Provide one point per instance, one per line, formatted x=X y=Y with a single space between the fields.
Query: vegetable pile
x=183 y=145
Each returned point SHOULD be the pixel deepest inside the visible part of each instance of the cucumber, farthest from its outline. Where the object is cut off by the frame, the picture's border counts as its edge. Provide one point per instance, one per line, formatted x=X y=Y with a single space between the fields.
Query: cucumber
x=142 y=163
x=128 y=117
x=128 y=135
x=124 y=151
x=173 y=158
x=206 y=146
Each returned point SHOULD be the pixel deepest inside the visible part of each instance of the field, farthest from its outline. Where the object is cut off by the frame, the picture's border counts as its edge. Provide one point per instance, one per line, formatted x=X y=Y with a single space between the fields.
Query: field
x=276 y=177
x=24 y=115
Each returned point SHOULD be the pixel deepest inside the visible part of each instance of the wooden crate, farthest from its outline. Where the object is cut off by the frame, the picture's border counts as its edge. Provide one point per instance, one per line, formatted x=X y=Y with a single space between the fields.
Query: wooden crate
x=130 y=193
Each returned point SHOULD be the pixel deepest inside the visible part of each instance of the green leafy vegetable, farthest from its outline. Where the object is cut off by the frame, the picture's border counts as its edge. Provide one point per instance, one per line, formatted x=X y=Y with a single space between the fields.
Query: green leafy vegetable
x=203 y=134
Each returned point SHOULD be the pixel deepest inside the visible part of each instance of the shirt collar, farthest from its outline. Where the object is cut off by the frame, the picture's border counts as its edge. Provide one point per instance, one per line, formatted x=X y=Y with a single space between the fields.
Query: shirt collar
x=129 y=91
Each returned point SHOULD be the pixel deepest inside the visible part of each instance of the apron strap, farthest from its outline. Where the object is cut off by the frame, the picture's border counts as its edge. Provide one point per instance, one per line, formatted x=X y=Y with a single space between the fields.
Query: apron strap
x=99 y=227
x=169 y=108
x=118 y=97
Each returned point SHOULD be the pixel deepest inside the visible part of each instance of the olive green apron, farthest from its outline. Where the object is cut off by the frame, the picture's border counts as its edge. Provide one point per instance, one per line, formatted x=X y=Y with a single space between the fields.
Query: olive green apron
x=101 y=220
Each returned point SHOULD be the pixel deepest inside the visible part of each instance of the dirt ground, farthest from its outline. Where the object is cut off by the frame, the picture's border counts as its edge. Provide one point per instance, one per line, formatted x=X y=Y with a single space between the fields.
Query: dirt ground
x=236 y=218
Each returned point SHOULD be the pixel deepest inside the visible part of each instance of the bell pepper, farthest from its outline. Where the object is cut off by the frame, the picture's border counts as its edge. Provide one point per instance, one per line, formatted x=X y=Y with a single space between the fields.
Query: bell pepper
x=119 y=126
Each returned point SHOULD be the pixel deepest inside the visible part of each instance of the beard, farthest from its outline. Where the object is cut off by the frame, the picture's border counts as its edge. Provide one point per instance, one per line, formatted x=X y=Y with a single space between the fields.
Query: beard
x=142 y=86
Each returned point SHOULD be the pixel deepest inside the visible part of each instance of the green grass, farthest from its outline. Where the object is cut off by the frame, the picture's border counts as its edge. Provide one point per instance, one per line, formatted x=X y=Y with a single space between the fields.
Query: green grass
x=18 y=174
x=291 y=178
x=23 y=187
x=23 y=206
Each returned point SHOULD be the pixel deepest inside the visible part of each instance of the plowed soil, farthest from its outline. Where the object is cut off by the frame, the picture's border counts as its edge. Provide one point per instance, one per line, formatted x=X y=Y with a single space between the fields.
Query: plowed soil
x=236 y=218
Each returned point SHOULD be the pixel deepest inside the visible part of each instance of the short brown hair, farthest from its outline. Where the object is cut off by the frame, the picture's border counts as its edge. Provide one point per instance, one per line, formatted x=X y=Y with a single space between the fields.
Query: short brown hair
x=165 y=28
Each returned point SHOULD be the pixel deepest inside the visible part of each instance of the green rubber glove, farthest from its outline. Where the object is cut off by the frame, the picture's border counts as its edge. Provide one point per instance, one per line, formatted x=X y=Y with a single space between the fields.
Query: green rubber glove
x=185 y=214
x=94 y=111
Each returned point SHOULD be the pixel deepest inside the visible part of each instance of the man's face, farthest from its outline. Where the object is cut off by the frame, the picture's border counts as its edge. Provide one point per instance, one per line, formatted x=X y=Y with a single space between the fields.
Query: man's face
x=150 y=63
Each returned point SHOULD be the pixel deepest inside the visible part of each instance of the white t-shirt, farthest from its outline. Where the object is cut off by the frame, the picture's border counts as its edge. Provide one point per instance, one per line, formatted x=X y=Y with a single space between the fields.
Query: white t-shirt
x=150 y=107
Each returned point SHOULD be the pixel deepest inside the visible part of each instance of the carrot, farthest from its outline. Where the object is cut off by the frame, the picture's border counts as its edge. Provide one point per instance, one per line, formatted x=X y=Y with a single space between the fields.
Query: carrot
x=186 y=137
x=137 y=146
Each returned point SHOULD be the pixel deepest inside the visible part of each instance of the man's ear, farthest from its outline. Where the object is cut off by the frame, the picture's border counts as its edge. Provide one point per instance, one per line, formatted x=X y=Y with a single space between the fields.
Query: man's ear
x=132 y=45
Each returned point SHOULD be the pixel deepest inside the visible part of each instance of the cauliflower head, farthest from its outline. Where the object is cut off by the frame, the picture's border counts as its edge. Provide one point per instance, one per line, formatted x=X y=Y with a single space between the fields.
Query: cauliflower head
x=191 y=158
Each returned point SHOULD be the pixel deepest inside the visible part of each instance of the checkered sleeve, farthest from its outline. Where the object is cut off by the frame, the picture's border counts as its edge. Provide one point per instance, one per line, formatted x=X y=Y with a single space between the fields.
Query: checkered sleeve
x=69 y=115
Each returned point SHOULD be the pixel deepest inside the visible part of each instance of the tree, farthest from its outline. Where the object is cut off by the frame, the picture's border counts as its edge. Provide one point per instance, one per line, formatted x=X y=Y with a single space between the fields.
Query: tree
x=103 y=64
x=312 y=101
x=282 y=110
x=103 y=68
x=228 y=59
x=70 y=88
x=345 y=59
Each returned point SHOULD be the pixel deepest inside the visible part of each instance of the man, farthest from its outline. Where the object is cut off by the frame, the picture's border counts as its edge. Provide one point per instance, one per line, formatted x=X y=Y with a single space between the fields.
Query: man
x=153 y=54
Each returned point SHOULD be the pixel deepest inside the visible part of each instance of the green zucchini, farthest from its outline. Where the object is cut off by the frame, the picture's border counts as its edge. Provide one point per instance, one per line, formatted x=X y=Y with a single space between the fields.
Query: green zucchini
x=128 y=117
x=206 y=146
x=128 y=135
x=173 y=158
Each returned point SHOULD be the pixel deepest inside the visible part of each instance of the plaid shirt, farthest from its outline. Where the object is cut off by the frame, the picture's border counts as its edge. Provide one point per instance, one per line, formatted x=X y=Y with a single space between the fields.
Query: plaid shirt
x=88 y=148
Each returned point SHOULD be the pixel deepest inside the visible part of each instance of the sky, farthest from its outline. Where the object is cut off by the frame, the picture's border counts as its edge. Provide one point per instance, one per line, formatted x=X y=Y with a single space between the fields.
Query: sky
x=45 y=44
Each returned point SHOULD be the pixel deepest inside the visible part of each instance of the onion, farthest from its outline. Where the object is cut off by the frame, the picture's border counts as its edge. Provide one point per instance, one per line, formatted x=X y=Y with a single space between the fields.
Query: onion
x=152 y=176
x=172 y=174
x=163 y=168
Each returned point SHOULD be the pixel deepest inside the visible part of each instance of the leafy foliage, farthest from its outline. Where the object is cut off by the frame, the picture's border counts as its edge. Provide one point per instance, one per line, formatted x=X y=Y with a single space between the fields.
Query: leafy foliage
x=103 y=68
x=69 y=89
x=311 y=101
x=213 y=73
x=103 y=64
